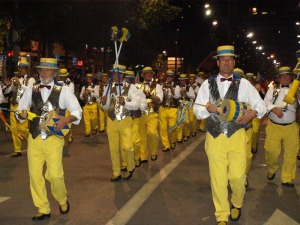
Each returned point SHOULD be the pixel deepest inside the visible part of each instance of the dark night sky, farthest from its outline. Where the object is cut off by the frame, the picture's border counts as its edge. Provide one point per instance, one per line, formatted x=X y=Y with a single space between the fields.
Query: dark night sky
x=196 y=38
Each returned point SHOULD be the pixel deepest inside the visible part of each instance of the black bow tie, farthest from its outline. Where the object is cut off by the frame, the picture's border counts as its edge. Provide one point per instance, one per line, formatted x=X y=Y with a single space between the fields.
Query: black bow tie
x=285 y=86
x=228 y=79
x=46 y=86
x=147 y=83
x=119 y=84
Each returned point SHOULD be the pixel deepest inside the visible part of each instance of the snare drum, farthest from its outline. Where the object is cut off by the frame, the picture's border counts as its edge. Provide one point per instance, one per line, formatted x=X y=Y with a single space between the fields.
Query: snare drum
x=231 y=110
x=49 y=125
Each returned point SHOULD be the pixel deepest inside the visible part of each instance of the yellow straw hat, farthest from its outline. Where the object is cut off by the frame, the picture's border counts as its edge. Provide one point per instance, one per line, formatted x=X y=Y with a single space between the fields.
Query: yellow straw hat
x=48 y=63
x=63 y=72
x=225 y=50
x=284 y=70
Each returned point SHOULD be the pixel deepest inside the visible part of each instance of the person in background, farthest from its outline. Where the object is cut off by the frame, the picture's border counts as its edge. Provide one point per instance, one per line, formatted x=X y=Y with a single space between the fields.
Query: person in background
x=18 y=87
x=226 y=142
x=45 y=148
x=89 y=95
x=102 y=113
x=120 y=99
x=282 y=130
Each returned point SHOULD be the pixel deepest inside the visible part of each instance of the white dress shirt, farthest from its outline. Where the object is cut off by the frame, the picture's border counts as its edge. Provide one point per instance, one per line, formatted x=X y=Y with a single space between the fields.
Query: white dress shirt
x=67 y=100
x=289 y=111
x=247 y=93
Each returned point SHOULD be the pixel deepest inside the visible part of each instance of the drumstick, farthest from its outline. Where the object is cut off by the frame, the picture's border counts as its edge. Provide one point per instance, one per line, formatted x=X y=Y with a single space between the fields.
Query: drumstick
x=199 y=104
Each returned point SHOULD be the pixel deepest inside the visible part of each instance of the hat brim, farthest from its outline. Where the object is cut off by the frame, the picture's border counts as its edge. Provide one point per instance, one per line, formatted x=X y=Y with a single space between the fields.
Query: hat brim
x=47 y=67
x=64 y=75
x=230 y=55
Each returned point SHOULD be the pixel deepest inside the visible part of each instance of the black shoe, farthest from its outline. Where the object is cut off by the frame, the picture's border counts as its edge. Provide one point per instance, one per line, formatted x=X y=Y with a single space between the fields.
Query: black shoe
x=87 y=135
x=186 y=138
x=166 y=150
x=270 y=176
x=246 y=183
x=179 y=141
x=194 y=134
x=16 y=154
x=94 y=132
x=288 y=184
x=202 y=130
x=64 y=209
x=138 y=163
x=173 y=145
x=298 y=157
x=154 y=157
x=40 y=216
x=124 y=169
x=115 y=178
x=101 y=131
x=254 y=150
x=144 y=161
x=128 y=175
x=235 y=214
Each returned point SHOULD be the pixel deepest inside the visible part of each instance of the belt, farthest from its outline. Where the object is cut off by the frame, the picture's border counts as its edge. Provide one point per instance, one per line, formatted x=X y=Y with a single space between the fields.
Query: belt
x=282 y=124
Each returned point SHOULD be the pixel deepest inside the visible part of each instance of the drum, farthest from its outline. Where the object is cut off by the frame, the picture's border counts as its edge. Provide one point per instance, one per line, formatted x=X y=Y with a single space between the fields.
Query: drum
x=231 y=110
x=49 y=125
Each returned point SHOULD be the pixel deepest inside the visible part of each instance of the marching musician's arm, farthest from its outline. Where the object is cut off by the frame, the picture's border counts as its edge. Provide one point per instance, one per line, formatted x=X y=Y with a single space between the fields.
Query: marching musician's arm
x=202 y=99
x=269 y=99
x=24 y=103
x=1 y=95
x=96 y=92
x=191 y=93
x=177 y=92
x=82 y=92
x=159 y=94
x=68 y=100
x=254 y=99
x=134 y=97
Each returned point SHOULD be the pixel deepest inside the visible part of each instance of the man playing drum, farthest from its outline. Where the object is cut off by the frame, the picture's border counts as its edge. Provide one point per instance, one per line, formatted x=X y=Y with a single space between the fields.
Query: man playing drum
x=226 y=142
x=43 y=146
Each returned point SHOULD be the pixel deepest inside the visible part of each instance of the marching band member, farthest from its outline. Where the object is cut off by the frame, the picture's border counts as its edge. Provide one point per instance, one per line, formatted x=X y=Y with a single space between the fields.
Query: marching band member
x=149 y=119
x=19 y=85
x=226 y=142
x=102 y=113
x=89 y=94
x=119 y=100
x=168 y=111
x=282 y=130
x=186 y=94
x=193 y=85
x=43 y=146
x=63 y=77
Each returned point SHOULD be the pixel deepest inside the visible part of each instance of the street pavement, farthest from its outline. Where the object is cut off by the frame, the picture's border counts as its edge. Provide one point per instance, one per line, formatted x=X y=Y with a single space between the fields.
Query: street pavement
x=174 y=190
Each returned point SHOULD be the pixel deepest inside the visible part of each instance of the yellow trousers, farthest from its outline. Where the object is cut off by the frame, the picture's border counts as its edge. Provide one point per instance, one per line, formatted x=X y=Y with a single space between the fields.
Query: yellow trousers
x=193 y=121
x=278 y=136
x=90 y=118
x=17 y=127
x=256 y=127
x=227 y=162
x=102 y=118
x=249 y=133
x=167 y=119
x=47 y=151
x=202 y=125
x=149 y=134
x=120 y=136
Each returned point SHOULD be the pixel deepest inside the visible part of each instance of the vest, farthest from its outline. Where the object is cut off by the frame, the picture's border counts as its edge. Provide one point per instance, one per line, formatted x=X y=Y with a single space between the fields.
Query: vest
x=89 y=89
x=168 y=100
x=41 y=109
x=115 y=110
x=214 y=125
x=152 y=106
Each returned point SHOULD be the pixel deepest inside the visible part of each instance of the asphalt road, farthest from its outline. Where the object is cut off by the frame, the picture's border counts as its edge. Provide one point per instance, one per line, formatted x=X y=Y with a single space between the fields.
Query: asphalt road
x=174 y=190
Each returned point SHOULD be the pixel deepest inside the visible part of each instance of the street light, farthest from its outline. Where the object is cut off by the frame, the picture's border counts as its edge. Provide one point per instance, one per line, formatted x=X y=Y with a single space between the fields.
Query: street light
x=207 y=12
x=215 y=23
x=250 y=35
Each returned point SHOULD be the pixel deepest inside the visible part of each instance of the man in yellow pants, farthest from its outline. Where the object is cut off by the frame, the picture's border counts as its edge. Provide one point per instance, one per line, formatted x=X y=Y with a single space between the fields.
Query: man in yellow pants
x=282 y=130
x=149 y=119
x=168 y=112
x=89 y=94
x=226 y=141
x=102 y=113
x=45 y=147
x=121 y=98
x=18 y=87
